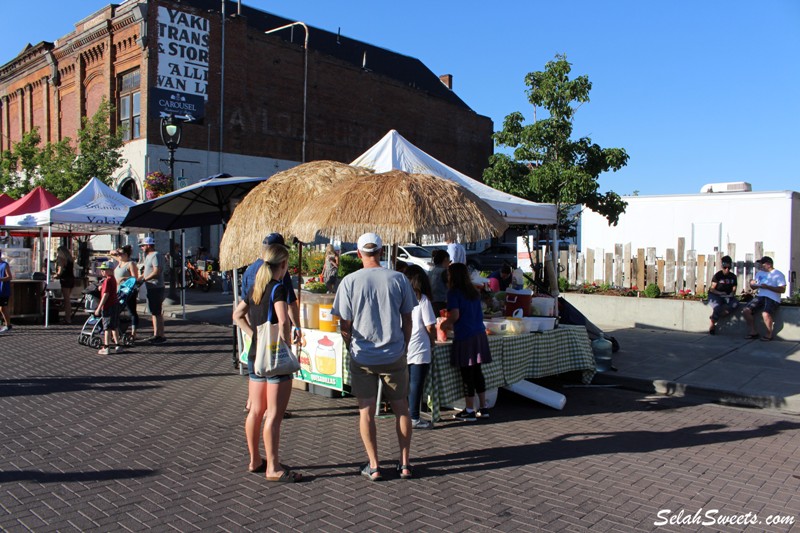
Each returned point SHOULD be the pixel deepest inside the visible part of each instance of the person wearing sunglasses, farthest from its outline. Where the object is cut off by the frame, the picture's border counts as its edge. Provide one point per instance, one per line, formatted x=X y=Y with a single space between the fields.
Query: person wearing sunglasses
x=722 y=294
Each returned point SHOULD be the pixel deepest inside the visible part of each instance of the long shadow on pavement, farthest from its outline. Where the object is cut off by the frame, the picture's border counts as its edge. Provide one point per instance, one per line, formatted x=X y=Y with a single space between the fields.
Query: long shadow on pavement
x=51 y=385
x=67 y=477
x=574 y=445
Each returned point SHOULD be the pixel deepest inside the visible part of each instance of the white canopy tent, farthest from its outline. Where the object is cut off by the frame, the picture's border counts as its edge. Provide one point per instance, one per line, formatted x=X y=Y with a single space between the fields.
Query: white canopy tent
x=395 y=152
x=95 y=209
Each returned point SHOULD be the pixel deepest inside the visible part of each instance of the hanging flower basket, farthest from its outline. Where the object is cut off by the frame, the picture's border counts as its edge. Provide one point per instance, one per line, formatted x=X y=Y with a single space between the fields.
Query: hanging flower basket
x=157 y=184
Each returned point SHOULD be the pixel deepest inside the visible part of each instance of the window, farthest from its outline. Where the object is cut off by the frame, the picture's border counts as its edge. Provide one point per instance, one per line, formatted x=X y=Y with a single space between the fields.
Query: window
x=129 y=108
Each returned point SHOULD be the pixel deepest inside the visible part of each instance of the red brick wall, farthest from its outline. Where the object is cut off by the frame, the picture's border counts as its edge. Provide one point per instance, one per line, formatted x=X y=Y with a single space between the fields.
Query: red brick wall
x=348 y=109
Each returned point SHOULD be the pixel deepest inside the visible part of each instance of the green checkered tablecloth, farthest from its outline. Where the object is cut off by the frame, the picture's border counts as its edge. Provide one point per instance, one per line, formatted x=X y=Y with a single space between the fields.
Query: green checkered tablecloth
x=514 y=358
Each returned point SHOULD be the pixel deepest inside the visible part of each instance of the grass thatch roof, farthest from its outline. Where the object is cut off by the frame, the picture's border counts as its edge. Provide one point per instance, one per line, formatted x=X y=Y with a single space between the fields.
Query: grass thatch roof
x=398 y=206
x=273 y=206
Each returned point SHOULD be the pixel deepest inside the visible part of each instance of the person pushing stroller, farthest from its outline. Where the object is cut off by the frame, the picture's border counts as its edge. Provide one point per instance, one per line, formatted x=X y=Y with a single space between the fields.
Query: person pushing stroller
x=108 y=309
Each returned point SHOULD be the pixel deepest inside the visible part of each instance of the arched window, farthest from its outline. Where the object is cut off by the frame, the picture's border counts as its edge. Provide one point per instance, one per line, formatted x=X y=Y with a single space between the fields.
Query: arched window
x=129 y=189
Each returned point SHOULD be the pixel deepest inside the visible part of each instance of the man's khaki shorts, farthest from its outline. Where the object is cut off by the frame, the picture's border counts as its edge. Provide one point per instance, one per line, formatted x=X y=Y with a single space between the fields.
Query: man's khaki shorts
x=364 y=380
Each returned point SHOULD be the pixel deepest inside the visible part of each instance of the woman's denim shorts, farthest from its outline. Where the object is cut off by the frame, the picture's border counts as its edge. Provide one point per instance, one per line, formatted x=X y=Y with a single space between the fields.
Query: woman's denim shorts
x=271 y=379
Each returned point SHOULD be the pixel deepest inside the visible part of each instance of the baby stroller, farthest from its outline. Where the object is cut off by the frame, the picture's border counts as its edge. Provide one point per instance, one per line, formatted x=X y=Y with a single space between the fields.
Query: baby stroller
x=92 y=331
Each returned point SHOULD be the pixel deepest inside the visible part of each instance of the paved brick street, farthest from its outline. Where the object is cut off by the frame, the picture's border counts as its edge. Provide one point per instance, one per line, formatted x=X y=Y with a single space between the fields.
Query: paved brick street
x=153 y=438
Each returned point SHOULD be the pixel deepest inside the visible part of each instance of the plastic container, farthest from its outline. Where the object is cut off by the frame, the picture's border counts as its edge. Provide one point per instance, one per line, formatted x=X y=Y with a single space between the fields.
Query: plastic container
x=543 y=306
x=534 y=392
x=520 y=299
x=327 y=320
x=441 y=335
x=497 y=326
x=309 y=315
x=540 y=323
x=602 y=349
x=516 y=326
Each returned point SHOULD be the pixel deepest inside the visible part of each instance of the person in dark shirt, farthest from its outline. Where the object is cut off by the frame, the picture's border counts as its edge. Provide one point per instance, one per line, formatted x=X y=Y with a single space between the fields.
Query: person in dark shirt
x=722 y=294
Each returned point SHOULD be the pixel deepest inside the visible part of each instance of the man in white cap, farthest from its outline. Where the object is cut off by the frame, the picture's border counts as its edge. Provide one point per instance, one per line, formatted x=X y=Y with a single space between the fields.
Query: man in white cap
x=153 y=277
x=374 y=306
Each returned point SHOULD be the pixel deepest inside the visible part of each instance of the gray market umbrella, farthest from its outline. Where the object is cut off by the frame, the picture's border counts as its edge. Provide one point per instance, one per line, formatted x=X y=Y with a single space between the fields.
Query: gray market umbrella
x=207 y=202
x=398 y=206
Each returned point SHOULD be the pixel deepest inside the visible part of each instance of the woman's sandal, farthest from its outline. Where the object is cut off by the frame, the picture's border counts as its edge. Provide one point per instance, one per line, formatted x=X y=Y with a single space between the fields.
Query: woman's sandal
x=753 y=336
x=287 y=476
x=372 y=474
x=404 y=468
x=766 y=339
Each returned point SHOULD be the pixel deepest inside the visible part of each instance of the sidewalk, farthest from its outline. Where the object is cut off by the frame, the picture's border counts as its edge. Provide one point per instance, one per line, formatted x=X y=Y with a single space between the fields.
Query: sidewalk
x=722 y=368
x=726 y=369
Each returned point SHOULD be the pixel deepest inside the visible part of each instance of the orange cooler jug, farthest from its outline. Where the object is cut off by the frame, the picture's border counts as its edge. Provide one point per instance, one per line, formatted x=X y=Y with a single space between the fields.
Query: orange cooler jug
x=327 y=321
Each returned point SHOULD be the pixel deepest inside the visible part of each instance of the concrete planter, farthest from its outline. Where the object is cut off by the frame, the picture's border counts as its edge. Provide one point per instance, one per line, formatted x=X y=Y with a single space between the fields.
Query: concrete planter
x=680 y=315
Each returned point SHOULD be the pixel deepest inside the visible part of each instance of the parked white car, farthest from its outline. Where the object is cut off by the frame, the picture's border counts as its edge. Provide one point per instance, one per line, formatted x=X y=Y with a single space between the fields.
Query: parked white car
x=410 y=253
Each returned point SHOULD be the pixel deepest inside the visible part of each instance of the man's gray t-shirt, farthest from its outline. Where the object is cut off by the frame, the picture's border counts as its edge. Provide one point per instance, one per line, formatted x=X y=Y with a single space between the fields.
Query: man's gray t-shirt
x=374 y=299
x=151 y=261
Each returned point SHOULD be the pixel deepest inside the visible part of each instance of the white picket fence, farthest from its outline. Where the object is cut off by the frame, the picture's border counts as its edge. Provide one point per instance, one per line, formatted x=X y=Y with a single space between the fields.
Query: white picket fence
x=676 y=270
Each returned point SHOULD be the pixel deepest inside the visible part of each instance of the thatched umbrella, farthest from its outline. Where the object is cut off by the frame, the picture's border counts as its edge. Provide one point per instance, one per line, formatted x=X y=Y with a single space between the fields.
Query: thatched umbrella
x=273 y=206
x=398 y=206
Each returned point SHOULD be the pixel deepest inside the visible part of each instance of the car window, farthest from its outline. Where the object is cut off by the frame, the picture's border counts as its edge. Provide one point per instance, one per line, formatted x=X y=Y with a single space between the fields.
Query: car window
x=417 y=251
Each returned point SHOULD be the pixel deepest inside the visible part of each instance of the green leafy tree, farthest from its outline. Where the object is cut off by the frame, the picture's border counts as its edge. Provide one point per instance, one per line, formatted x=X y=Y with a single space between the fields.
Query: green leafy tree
x=547 y=165
x=18 y=166
x=59 y=167
x=99 y=150
x=56 y=171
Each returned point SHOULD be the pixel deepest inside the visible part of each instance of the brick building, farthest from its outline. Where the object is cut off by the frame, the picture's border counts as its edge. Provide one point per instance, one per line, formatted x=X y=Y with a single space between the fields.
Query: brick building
x=258 y=103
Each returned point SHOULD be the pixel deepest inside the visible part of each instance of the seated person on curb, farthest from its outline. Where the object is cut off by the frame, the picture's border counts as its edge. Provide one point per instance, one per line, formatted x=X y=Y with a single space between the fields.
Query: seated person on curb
x=499 y=280
x=108 y=309
x=770 y=287
x=722 y=294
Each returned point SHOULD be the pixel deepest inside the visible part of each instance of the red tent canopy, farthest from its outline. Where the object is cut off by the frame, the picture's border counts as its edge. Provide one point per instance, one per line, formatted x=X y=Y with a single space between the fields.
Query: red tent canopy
x=5 y=200
x=36 y=200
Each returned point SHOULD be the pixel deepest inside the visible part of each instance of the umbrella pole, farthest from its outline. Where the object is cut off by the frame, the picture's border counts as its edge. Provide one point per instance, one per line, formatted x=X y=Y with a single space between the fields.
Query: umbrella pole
x=183 y=274
x=299 y=286
x=47 y=283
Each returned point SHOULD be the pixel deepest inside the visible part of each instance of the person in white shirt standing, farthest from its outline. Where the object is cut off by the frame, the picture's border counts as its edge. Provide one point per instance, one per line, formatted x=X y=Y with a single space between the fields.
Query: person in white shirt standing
x=770 y=288
x=456 y=251
x=420 y=347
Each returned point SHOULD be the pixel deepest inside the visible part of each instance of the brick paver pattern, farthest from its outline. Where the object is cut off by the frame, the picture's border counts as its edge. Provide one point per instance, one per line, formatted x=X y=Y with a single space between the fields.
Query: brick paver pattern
x=153 y=439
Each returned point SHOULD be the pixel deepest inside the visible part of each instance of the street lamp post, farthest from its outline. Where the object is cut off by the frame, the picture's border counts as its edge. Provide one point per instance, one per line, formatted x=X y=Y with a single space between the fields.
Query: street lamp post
x=171 y=137
x=305 y=77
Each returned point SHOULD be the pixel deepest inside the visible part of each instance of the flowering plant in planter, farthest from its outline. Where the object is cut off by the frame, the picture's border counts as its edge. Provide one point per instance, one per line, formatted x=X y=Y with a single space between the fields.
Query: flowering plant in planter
x=157 y=184
x=315 y=285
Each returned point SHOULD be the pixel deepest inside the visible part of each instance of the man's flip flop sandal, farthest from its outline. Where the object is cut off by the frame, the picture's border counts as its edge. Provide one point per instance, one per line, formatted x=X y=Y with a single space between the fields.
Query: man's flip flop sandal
x=370 y=473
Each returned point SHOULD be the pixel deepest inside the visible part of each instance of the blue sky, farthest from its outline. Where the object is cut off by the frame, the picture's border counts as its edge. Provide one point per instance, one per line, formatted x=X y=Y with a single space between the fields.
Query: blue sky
x=696 y=92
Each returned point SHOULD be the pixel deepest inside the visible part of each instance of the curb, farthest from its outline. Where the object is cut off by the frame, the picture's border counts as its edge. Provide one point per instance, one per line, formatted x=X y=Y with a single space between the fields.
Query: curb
x=673 y=388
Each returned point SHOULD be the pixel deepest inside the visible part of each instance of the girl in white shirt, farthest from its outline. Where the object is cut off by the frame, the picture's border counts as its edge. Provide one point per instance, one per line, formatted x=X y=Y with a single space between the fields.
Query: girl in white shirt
x=423 y=336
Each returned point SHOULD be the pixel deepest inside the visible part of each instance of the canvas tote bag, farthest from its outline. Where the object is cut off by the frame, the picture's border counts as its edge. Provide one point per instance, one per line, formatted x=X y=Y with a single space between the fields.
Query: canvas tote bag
x=273 y=355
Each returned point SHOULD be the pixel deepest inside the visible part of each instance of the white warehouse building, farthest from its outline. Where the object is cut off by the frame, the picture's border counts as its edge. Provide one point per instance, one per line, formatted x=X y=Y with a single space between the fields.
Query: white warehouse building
x=709 y=221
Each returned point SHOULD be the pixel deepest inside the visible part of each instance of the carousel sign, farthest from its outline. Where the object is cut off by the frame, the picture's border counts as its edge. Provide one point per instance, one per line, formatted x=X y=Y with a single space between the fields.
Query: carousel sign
x=181 y=88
